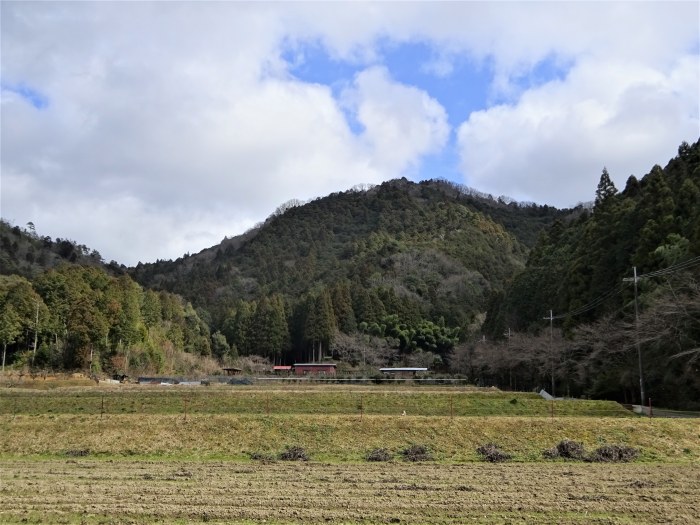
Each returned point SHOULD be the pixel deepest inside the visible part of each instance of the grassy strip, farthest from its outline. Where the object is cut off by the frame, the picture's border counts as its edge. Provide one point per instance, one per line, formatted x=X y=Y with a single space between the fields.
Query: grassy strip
x=256 y=400
x=336 y=438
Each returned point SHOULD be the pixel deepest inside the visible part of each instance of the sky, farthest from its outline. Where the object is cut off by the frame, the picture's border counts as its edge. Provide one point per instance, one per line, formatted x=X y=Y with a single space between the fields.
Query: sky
x=147 y=130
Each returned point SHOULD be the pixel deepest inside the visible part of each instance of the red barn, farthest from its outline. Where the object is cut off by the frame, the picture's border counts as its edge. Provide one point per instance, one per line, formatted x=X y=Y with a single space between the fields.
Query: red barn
x=317 y=369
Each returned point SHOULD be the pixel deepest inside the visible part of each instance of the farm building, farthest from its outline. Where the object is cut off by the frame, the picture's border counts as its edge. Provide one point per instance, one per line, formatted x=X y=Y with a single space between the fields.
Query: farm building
x=282 y=370
x=232 y=371
x=403 y=371
x=319 y=369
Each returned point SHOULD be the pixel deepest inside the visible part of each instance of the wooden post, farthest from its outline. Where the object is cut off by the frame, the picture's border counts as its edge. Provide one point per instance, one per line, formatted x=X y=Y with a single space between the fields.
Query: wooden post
x=102 y=407
x=184 y=400
x=551 y=408
x=451 y=406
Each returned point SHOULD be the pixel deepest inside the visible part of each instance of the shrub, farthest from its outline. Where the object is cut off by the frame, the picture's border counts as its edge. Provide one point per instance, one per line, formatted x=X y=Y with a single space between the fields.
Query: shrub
x=77 y=453
x=294 y=454
x=416 y=453
x=379 y=454
x=491 y=452
x=566 y=449
x=614 y=454
x=261 y=456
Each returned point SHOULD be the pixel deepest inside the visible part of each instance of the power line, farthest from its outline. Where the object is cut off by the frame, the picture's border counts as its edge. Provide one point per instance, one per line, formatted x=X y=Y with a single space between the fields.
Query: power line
x=618 y=289
x=594 y=303
x=672 y=269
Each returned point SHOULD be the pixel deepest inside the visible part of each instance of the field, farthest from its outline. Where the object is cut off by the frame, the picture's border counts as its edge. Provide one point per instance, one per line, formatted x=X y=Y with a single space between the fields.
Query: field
x=183 y=455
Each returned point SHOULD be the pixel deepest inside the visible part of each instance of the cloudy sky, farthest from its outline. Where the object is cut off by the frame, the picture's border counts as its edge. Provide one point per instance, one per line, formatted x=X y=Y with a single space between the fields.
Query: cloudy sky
x=147 y=130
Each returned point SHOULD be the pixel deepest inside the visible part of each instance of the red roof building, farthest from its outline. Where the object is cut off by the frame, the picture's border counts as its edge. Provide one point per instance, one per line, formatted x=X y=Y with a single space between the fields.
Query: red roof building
x=319 y=369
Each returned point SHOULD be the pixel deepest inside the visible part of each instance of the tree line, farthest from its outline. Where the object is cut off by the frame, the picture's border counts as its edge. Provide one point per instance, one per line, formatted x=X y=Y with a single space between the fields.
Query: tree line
x=578 y=269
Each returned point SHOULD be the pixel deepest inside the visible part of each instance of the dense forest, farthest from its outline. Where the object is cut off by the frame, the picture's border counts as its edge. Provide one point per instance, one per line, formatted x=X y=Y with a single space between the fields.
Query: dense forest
x=430 y=274
x=581 y=274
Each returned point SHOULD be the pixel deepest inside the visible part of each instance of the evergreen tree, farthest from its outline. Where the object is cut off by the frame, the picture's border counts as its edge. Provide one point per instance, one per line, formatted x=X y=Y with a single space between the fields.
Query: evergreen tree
x=606 y=189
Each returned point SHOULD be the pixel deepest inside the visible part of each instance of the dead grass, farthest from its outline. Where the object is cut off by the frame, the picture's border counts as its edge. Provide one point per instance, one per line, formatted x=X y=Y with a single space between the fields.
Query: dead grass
x=148 y=492
x=337 y=437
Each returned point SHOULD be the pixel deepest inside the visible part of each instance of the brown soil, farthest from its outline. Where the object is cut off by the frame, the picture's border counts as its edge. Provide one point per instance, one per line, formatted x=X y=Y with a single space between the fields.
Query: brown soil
x=83 y=490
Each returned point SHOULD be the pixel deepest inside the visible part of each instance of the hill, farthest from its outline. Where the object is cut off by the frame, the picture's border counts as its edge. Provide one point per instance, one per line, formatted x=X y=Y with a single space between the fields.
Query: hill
x=582 y=272
x=439 y=248
x=24 y=252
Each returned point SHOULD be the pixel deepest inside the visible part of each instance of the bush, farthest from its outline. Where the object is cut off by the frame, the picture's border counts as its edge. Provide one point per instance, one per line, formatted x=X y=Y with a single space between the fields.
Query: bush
x=294 y=454
x=566 y=449
x=264 y=458
x=614 y=454
x=379 y=454
x=416 y=453
x=491 y=452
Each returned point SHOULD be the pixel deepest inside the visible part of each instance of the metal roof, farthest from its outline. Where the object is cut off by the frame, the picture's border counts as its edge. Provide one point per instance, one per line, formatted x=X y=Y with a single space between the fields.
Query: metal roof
x=314 y=364
x=404 y=369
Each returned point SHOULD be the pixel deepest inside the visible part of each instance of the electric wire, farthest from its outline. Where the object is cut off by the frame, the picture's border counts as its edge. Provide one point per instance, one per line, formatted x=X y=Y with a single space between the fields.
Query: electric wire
x=619 y=288
x=672 y=269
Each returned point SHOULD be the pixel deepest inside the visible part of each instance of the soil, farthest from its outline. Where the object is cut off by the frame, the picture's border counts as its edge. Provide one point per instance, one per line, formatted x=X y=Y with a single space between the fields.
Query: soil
x=89 y=491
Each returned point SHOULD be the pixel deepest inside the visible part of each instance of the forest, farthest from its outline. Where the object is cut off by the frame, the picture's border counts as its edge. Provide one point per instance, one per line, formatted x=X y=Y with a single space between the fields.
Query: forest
x=516 y=295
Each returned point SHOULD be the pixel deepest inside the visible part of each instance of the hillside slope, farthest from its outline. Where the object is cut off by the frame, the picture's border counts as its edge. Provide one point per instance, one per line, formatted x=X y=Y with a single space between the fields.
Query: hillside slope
x=434 y=244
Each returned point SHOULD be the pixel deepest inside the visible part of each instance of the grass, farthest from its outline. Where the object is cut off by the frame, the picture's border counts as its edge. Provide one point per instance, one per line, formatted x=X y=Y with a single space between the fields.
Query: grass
x=131 y=454
x=335 y=438
x=446 y=401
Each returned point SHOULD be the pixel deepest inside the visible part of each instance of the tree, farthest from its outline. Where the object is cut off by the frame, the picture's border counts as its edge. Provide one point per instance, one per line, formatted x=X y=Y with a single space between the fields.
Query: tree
x=606 y=189
x=10 y=328
x=319 y=328
x=268 y=333
x=219 y=345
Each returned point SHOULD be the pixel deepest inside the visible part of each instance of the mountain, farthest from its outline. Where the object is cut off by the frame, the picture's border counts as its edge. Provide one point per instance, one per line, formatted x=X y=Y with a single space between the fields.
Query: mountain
x=581 y=272
x=437 y=246
x=419 y=274
x=26 y=253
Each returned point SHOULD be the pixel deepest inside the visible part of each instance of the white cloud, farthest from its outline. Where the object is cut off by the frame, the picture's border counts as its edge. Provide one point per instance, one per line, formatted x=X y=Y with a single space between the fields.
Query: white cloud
x=552 y=144
x=402 y=123
x=172 y=124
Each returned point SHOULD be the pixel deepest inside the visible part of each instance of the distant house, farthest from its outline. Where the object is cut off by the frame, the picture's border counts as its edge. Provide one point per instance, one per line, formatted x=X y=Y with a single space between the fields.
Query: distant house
x=282 y=370
x=232 y=371
x=403 y=371
x=318 y=369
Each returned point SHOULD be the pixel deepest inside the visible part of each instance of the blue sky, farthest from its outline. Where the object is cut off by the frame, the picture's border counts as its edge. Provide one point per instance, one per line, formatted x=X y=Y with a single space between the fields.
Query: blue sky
x=147 y=130
x=30 y=95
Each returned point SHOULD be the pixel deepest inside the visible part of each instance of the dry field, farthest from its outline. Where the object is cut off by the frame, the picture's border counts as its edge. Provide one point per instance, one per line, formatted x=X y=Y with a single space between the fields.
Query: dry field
x=87 y=455
x=89 y=491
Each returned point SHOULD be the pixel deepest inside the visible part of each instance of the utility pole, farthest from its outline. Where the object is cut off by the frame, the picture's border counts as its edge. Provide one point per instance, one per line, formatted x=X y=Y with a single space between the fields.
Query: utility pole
x=636 y=324
x=36 y=332
x=510 y=370
x=551 y=346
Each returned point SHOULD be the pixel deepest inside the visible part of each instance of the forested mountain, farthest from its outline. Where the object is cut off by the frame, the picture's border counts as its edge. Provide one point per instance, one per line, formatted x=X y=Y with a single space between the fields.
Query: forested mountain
x=578 y=269
x=429 y=274
x=24 y=252
x=387 y=259
x=374 y=275
x=437 y=246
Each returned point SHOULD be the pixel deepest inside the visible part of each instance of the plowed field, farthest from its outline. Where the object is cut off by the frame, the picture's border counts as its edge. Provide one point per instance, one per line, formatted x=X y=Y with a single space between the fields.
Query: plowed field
x=94 y=491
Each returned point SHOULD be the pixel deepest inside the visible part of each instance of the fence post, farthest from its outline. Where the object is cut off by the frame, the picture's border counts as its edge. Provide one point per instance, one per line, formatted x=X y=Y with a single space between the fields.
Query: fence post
x=451 y=406
x=551 y=408
x=184 y=400
x=102 y=406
